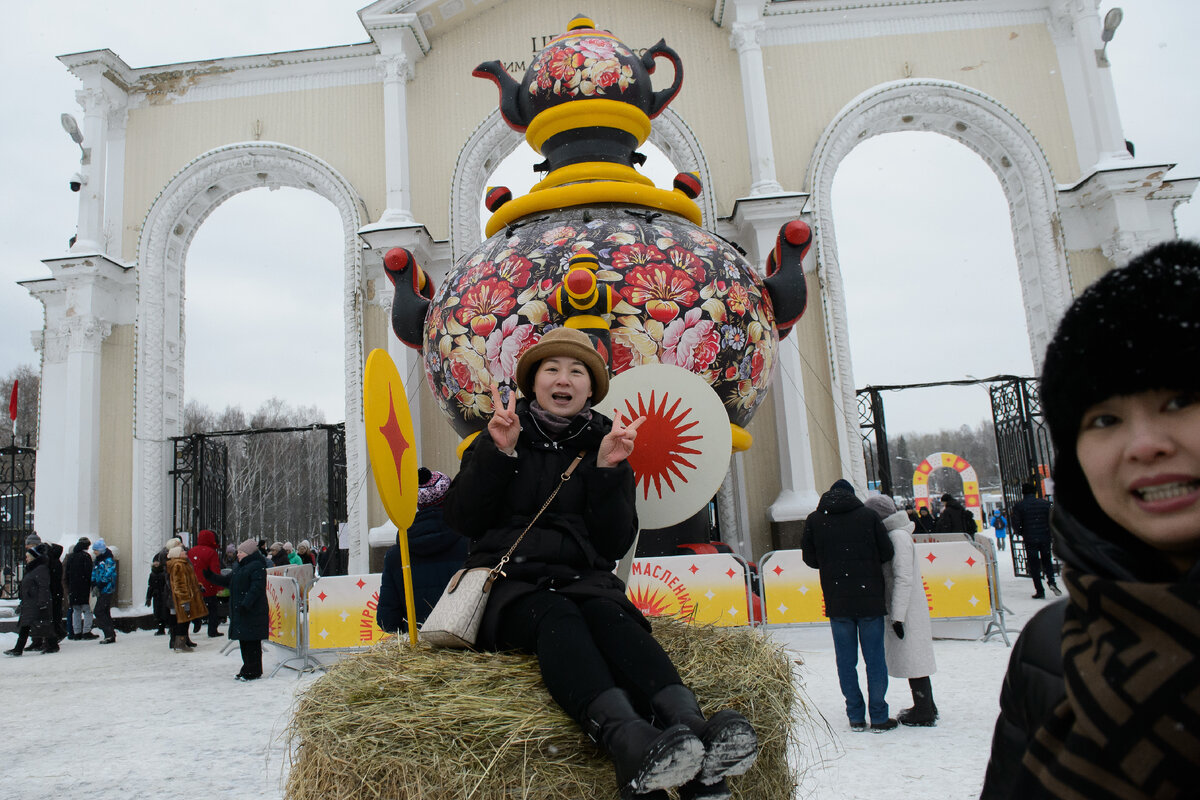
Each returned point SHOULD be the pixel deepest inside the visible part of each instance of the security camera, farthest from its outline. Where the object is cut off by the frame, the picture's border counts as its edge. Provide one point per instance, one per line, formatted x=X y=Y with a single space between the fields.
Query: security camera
x=77 y=182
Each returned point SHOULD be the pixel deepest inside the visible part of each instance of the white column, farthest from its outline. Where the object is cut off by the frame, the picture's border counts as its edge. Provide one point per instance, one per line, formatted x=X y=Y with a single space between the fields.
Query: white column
x=745 y=36
x=81 y=426
x=113 y=234
x=90 y=230
x=397 y=72
x=1091 y=101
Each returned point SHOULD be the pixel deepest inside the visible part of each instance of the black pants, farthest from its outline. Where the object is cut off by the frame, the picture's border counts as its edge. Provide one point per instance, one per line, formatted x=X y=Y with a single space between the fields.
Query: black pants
x=1040 y=562
x=22 y=639
x=251 y=657
x=585 y=646
x=103 y=617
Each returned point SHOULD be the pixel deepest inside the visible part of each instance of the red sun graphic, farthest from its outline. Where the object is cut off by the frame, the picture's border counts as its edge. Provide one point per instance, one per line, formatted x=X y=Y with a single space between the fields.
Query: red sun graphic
x=651 y=602
x=662 y=442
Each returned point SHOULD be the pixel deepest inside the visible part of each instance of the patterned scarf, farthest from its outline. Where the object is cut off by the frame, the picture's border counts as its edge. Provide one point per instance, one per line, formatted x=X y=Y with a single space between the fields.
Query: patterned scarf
x=1130 y=725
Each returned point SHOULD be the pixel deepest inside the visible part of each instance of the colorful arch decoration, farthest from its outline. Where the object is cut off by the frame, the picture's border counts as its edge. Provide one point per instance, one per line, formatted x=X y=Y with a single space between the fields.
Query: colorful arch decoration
x=970 y=481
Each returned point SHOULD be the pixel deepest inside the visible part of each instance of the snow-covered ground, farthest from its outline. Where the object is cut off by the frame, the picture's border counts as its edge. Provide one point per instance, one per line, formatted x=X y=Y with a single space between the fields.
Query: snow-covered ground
x=134 y=720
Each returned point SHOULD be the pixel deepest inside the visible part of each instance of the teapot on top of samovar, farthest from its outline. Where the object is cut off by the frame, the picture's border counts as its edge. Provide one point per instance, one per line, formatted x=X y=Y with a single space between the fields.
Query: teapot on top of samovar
x=595 y=245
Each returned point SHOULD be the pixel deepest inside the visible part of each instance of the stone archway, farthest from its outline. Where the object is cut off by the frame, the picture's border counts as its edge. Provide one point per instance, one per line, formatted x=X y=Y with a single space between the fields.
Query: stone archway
x=493 y=140
x=170 y=225
x=1004 y=143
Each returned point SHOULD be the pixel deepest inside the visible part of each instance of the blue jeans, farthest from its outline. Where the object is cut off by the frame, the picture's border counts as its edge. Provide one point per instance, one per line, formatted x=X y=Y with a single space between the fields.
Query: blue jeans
x=848 y=634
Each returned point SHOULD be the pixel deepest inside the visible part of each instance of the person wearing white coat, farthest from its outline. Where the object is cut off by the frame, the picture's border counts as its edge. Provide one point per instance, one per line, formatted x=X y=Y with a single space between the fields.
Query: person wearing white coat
x=908 y=640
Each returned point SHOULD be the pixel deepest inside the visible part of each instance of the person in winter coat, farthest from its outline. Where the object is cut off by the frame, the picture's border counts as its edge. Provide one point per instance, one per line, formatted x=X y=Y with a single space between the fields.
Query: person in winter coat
x=290 y=551
x=249 y=621
x=908 y=638
x=925 y=520
x=1000 y=526
x=77 y=574
x=1031 y=521
x=34 y=618
x=187 y=598
x=55 y=568
x=954 y=518
x=436 y=552
x=204 y=556
x=277 y=555
x=848 y=545
x=104 y=581
x=157 y=590
x=1100 y=697
x=305 y=552
x=559 y=598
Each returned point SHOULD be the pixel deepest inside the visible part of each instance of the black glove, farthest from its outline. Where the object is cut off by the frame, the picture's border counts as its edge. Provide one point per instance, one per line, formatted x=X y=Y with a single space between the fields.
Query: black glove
x=898 y=627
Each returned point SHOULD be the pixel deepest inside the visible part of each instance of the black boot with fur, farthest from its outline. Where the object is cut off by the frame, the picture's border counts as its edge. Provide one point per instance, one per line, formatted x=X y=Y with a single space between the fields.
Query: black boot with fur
x=730 y=744
x=924 y=713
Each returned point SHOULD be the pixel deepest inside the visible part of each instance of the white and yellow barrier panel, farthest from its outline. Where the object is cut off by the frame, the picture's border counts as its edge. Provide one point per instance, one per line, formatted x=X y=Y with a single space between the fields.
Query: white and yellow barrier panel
x=791 y=589
x=341 y=612
x=954 y=575
x=708 y=589
x=283 y=611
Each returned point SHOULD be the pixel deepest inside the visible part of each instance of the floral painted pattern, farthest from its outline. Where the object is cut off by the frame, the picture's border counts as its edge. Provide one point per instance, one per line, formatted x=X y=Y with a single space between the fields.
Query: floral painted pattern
x=587 y=66
x=683 y=297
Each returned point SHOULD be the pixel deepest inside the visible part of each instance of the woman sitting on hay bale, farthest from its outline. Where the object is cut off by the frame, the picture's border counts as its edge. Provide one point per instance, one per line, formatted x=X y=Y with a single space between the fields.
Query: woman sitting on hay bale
x=559 y=598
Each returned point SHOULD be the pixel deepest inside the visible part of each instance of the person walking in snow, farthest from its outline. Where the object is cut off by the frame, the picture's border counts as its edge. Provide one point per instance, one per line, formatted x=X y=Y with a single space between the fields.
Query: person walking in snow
x=954 y=518
x=34 y=616
x=999 y=525
x=848 y=545
x=908 y=637
x=104 y=581
x=249 y=622
x=187 y=598
x=1031 y=521
x=1100 y=698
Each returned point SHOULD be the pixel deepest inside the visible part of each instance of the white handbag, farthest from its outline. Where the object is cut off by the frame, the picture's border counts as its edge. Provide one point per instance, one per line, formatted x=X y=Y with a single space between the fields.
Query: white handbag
x=454 y=621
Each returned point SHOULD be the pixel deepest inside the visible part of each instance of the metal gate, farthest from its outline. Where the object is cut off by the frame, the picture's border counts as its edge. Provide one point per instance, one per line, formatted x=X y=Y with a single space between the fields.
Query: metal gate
x=873 y=431
x=1023 y=446
x=16 y=513
x=203 y=482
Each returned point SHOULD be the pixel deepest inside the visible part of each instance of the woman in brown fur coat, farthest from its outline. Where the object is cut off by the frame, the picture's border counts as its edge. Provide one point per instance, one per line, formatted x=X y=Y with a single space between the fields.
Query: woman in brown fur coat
x=186 y=598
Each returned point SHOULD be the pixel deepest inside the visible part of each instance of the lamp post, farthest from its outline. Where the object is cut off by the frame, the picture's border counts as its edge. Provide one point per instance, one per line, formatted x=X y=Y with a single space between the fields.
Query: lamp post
x=1111 y=21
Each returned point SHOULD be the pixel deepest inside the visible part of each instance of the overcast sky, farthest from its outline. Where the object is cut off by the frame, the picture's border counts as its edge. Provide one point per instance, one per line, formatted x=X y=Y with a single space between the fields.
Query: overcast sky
x=923 y=229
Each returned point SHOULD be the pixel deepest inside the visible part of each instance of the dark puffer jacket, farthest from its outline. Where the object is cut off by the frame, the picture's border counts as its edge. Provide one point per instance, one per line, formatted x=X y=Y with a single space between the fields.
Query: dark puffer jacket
x=954 y=519
x=34 y=592
x=847 y=542
x=78 y=574
x=1031 y=520
x=437 y=552
x=577 y=541
x=249 y=617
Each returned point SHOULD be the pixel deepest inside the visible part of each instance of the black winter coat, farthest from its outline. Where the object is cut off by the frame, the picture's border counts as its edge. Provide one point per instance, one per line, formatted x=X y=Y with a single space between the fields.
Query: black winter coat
x=437 y=552
x=1034 y=684
x=847 y=543
x=1031 y=520
x=954 y=519
x=55 y=566
x=34 y=593
x=78 y=575
x=249 y=617
x=576 y=542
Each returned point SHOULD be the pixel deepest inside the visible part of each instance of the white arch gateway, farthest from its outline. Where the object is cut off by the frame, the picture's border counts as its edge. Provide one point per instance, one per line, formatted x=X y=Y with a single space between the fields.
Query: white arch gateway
x=172 y=222
x=399 y=137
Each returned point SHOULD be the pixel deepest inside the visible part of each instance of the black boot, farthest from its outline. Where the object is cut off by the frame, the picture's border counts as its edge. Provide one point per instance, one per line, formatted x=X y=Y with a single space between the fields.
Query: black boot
x=646 y=758
x=730 y=744
x=924 y=712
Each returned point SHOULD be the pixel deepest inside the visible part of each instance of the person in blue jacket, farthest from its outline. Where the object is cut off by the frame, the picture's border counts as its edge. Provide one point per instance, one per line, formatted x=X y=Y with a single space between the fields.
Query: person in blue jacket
x=104 y=581
x=436 y=550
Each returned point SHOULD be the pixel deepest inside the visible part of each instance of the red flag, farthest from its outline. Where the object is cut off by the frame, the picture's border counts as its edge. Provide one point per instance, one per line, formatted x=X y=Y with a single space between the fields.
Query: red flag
x=12 y=403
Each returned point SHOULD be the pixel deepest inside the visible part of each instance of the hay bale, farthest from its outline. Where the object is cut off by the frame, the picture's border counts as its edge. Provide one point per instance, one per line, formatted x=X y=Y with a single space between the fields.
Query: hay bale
x=395 y=723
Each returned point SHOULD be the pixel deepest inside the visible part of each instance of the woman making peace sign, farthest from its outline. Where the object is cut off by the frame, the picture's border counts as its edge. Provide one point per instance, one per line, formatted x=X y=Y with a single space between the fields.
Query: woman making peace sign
x=558 y=597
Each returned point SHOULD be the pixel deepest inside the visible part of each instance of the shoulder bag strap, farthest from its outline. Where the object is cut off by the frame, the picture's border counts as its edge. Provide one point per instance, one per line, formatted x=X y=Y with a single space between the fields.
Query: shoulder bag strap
x=566 y=476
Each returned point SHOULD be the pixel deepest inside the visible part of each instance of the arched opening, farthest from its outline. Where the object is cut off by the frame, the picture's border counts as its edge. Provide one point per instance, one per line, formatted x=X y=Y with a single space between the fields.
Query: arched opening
x=263 y=314
x=1010 y=151
x=961 y=312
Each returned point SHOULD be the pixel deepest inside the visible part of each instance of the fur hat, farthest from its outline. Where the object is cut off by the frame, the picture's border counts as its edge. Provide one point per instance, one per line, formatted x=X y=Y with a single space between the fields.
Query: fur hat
x=248 y=547
x=433 y=486
x=882 y=505
x=1135 y=329
x=176 y=542
x=304 y=546
x=567 y=342
x=175 y=552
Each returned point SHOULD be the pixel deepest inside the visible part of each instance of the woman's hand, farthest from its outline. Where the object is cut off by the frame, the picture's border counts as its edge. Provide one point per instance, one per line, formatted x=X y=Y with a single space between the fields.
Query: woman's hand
x=618 y=444
x=504 y=427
